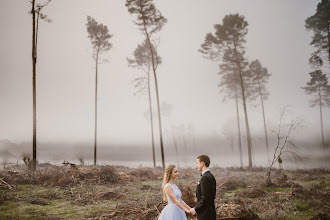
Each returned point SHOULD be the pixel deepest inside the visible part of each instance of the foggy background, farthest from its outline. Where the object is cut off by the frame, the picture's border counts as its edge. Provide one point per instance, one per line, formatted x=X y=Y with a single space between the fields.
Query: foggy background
x=187 y=83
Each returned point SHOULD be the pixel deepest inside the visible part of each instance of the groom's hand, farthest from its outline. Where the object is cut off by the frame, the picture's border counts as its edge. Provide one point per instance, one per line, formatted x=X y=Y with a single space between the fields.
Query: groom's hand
x=192 y=211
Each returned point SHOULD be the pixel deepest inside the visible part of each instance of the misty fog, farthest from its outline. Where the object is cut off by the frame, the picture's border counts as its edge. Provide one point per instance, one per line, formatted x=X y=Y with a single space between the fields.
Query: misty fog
x=195 y=115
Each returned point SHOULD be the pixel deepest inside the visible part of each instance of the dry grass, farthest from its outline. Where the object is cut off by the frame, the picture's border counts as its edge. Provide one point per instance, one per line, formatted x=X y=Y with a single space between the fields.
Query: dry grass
x=106 y=192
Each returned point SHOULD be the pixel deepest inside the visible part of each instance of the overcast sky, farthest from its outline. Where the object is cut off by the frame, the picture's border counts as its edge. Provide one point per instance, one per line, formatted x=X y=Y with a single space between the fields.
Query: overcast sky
x=187 y=81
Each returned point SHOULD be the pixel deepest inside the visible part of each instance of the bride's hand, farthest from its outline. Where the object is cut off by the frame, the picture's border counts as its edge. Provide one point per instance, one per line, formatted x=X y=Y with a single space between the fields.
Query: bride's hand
x=192 y=211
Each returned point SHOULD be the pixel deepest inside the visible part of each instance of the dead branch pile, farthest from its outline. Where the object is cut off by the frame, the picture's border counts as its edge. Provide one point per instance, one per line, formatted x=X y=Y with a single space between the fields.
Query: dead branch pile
x=112 y=195
x=63 y=176
x=279 y=179
x=252 y=193
x=143 y=174
x=107 y=174
x=188 y=196
x=188 y=174
x=276 y=205
x=137 y=211
x=92 y=195
x=232 y=183
x=235 y=211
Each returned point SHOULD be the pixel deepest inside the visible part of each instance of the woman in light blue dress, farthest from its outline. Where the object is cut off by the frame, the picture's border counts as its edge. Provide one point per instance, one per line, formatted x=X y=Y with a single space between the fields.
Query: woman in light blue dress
x=176 y=207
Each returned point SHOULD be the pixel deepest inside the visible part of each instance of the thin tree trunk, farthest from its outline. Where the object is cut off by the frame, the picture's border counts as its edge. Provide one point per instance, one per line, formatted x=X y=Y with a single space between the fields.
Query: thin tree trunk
x=264 y=118
x=329 y=41
x=265 y=128
x=151 y=122
x=95 y=128
x=157 y=91
x=185 y=149
x=176 y=148
x=232 y=146
x=321 y=117
x=159 y=119
x=37 y=30
x=194 y=142
x=248 y=135
x=34 y=63
x=239 y=133
x=157 y=97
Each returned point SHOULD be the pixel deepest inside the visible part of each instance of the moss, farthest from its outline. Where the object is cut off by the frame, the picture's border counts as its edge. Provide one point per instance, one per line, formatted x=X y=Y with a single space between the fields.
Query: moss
x=228 y=195
x=7 y=210
x=38 y=202
x=152 y=183
x=59 y=208
x=21 y=210
x=103 y=188
x=276 y=189
x=302 y=205
x=307 y=183
x=67 y=209
x=142 y=194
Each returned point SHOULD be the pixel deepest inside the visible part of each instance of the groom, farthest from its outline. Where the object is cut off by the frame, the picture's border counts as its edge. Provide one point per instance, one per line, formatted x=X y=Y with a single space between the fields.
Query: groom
x=205 y=191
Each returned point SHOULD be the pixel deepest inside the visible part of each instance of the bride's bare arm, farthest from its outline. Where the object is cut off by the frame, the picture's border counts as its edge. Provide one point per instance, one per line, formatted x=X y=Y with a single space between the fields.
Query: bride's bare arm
x=185 y=204
x=169 y=192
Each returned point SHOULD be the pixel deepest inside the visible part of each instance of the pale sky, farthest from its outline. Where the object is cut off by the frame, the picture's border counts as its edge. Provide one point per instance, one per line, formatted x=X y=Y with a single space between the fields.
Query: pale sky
x=187 y=81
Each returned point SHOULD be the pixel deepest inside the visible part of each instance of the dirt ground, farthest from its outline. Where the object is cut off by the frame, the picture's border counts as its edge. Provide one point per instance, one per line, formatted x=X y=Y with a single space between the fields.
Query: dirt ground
x=107 y=192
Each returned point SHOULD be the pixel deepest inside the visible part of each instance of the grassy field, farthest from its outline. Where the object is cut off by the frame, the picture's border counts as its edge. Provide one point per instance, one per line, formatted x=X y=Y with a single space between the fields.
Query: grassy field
x=105 y=192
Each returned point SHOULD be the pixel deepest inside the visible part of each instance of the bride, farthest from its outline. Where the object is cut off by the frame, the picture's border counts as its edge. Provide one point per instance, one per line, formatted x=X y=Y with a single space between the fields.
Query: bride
x=176 y=207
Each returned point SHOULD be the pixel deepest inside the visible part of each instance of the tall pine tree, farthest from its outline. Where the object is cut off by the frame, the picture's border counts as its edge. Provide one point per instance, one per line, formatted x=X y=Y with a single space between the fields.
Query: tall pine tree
x=150 y=21
x=319 y=23
x=319 y=88
x=142 y=61
x=259 y=77
x=227 y=45
x=37 y=15
x=99 y=36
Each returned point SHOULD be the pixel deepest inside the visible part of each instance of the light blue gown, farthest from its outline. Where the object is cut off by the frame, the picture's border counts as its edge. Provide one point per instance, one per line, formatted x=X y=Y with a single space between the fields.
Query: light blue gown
x=171 y=211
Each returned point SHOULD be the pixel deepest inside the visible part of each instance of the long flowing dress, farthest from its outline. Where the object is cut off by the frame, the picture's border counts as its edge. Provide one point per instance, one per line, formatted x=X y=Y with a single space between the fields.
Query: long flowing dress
x=171 y=211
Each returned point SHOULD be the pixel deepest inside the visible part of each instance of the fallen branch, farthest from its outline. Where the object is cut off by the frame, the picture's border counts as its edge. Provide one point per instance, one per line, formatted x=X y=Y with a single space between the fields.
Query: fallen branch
x=2 y=181
x=157 y=209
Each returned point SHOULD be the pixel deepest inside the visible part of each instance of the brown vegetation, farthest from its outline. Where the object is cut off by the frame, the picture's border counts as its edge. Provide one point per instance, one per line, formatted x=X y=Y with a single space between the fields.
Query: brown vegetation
x=136 y=193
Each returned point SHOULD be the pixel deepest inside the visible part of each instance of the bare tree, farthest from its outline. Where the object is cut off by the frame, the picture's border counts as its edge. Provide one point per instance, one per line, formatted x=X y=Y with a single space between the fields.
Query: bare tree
x=99 y=36
x=285 y=144
x=150 y=21
x=142 y=61
x=37 y=15
x=27 y=160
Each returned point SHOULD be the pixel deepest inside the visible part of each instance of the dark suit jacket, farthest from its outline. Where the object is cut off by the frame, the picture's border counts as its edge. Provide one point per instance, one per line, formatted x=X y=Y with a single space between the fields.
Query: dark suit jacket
x=205 y=193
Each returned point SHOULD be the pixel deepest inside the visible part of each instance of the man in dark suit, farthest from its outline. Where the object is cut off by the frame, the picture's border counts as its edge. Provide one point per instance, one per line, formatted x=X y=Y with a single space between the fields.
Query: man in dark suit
x=205 y=191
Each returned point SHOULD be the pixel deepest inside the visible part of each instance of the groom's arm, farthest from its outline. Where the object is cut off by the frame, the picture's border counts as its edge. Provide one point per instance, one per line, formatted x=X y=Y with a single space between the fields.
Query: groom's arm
x=206 y=194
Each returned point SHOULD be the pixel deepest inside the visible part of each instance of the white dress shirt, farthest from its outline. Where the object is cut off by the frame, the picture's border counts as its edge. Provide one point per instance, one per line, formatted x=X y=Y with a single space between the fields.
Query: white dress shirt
x=205 y=171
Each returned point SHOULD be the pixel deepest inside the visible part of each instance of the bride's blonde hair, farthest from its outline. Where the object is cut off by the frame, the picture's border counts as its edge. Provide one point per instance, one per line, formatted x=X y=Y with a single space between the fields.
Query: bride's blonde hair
x=167 y=176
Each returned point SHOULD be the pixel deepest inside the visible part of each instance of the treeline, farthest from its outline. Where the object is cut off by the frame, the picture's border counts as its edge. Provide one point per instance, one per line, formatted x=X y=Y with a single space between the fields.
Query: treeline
x=241 y=80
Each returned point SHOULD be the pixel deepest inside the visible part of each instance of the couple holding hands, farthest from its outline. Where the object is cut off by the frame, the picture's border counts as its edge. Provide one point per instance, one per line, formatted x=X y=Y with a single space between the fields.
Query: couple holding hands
x=205 y=193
